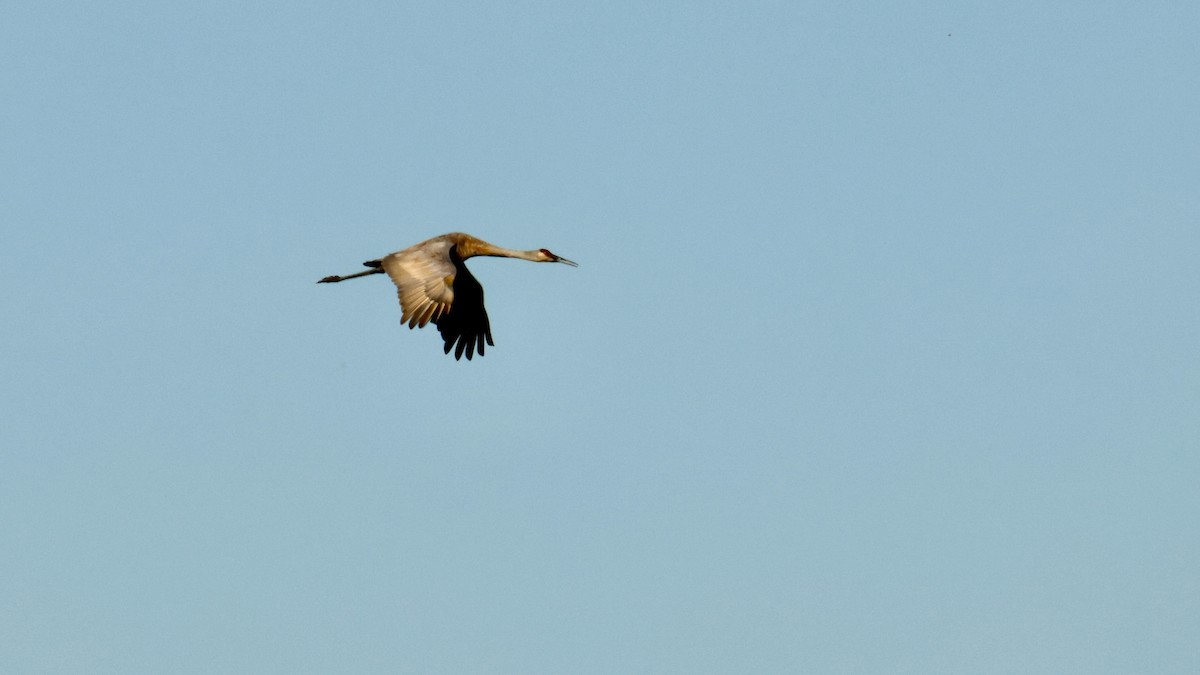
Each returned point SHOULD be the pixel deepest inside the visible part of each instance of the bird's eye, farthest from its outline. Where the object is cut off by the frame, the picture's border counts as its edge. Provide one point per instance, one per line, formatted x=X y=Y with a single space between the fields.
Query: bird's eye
x=547 y=253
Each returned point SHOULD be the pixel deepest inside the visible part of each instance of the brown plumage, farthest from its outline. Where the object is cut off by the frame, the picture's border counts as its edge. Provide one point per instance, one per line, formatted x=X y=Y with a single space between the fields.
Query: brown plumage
x=436 y=287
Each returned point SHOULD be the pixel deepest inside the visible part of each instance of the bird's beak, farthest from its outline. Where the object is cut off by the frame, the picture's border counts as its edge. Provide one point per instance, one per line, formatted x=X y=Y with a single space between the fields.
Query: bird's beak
x=564 y=261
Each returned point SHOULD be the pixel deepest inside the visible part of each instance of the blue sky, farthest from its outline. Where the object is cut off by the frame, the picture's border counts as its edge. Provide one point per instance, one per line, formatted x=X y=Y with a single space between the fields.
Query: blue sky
x=881 y=357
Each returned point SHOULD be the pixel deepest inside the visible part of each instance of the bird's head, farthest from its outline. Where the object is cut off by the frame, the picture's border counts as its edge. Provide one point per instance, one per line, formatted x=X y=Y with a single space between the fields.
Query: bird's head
x=546 y=256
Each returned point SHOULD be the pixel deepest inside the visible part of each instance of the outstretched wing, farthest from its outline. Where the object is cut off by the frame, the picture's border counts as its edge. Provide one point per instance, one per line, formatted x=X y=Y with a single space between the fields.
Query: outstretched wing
x=465 y=327
x=424 y=279
x=435 y=286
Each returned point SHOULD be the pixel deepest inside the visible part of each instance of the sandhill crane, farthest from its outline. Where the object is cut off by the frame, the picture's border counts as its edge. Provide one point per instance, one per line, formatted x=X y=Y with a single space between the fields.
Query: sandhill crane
x=435 y=286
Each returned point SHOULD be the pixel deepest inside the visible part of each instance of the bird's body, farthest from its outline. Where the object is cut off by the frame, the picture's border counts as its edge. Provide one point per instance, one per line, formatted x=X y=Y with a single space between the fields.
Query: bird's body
x=436 y=287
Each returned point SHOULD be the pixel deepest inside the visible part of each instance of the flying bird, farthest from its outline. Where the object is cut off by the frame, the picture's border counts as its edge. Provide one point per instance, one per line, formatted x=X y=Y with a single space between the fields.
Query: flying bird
x=436 y=287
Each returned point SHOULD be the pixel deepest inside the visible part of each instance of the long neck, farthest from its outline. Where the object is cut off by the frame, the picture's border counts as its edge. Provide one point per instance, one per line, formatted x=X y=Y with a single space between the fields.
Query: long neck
x=470 y=247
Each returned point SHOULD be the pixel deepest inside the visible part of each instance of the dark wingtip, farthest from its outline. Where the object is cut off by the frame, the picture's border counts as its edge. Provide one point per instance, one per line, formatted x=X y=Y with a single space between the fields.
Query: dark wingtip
x=330 y=279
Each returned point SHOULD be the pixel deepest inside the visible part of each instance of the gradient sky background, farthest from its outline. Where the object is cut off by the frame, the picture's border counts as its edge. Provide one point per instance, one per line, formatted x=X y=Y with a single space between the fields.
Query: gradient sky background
x=881 y=358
